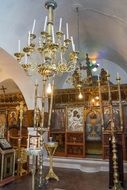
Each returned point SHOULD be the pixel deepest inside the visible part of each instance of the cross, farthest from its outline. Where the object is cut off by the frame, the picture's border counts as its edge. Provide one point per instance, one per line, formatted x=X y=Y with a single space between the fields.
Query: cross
x=3 y=89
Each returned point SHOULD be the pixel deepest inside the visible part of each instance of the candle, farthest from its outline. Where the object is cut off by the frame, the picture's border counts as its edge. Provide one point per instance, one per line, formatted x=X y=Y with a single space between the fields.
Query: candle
x=60 y=25
x=61 y=57
x=51 y=104
x=18 y=45
x=50 y=139
x=45 y=23
x=49 y=88
x=117 y=76
x=25 y=58
x=73 y=45
x=64 y=39
x=33 y=26
x=98 y=78
x=29 y=38
x=67 y=32
x=53 y=36
x=36 y=82
x=28 y=142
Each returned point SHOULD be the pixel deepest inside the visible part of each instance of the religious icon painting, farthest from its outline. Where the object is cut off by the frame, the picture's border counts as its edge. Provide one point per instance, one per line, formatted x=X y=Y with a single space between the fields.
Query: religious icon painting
x=93 y=126
x=107 y=117
x=2 y=123
x=75 y=119
x=58 y=119
x=12 y=118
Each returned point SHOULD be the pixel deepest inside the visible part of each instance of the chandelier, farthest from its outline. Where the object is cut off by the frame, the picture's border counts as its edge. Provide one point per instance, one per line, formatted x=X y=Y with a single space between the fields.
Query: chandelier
x=52 y=50
x=77 y=79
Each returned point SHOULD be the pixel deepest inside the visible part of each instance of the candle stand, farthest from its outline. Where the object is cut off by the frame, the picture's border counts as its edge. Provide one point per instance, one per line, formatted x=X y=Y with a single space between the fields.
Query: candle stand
x=51 y=148
x=34 y=152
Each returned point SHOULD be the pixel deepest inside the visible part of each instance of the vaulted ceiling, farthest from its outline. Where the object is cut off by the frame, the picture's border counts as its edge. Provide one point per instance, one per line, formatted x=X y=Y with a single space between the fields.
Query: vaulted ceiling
x=102 y=26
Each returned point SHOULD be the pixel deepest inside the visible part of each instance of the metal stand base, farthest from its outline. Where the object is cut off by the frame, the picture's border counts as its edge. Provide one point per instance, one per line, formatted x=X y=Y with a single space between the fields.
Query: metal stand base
x=117 y=187
x=51 y=174
x=41 y=186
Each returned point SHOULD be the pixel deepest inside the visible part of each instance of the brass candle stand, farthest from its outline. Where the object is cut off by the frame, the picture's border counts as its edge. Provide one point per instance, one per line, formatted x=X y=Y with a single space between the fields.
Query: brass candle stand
x=19 y=167
x=120 y=102
x=39 y=126
x=117 y=185
x=34 y=152
x=100 y=102
x=51 y=148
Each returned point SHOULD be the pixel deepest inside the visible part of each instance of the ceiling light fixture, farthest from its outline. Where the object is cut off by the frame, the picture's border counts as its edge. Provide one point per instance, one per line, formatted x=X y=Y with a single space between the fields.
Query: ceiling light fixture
x=50 y=50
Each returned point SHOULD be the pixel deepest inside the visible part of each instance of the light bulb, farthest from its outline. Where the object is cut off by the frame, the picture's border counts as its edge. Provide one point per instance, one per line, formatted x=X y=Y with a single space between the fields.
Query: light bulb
x=49 y=89
x=80 y=96
x=94 y=69
x=94 y=61
x=97 y=97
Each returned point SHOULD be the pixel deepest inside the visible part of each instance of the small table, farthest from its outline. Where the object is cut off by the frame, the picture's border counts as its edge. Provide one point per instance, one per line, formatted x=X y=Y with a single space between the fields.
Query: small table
x=51 y=148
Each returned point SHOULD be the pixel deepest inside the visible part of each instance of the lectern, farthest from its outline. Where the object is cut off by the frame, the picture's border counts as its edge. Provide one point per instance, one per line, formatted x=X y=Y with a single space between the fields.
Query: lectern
x=7 y=162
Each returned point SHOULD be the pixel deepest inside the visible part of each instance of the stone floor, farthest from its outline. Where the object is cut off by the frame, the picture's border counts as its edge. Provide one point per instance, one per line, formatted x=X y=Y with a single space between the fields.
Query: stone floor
x=70 y=179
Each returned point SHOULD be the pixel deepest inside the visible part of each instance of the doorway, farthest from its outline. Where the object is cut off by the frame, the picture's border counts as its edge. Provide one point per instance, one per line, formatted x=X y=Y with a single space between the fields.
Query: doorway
x=93 y=134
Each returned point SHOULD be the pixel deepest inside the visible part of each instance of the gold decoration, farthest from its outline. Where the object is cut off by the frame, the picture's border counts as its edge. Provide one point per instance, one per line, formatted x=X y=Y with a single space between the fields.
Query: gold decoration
x=51 y=148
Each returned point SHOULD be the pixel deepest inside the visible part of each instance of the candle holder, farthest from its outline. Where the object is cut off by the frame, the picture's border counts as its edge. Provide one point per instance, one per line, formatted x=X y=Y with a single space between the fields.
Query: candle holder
x=51 y=148
x=34 y=152
x=101 y=106
x=19 y=167
x=117 y=185
x=120 y=102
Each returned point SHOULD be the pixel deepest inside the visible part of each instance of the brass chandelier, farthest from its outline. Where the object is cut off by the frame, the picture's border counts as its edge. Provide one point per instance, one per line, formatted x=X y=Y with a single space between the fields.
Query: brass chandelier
x=51 y=49
x=77 y=78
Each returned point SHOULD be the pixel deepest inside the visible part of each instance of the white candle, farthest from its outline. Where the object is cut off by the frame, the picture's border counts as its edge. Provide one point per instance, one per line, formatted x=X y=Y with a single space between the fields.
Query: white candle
x=36 y=82
x=29 y=38
x=117 y=76
x=53 y=35
x=33 y=26
x=98 y=78
x=64 y=39
x=60 y=25
x=45 y=23
x=73 y=45
x=67 y=32
x=25 y=58
x=18 y=45
x=61 y=56
x=28 y=142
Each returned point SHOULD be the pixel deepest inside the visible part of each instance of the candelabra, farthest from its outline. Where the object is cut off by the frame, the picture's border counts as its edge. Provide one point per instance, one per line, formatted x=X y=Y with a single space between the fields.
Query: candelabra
x=51 y=50
x=19 y=165
x=117 y=185
x=51 y=148
x=77 y=79
x=120 y=102
x=101 y=105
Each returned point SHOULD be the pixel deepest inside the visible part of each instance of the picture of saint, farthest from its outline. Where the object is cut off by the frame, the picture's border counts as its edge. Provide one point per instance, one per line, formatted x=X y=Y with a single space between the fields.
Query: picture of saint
x=93 y=126
x=75 y=118
x=2 y=124
x=12 y=120
x=58 y=119
x=107 y=117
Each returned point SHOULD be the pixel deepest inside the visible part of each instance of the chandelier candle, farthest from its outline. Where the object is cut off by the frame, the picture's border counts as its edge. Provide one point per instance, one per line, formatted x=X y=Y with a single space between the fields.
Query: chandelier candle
x=33 y=26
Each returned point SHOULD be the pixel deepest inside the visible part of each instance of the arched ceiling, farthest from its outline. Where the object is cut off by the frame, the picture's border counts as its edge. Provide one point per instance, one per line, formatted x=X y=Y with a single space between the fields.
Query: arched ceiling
x=103 y=25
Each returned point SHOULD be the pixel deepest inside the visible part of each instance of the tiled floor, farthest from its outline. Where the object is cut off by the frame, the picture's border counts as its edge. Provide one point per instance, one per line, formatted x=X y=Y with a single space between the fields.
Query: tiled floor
x=70 y=179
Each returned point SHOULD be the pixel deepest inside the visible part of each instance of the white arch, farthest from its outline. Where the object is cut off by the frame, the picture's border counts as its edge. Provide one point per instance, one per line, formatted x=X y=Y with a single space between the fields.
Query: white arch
x=10 y=69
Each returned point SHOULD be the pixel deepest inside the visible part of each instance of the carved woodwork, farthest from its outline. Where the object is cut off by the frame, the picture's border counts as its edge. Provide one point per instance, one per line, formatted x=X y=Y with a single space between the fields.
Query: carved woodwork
x=65 y=98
